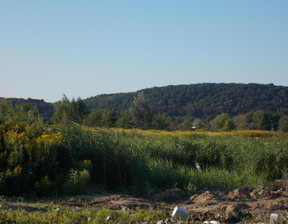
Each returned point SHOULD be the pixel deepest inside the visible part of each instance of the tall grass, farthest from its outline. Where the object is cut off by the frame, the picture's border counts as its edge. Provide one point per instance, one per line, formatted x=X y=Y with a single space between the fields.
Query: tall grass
x=73 y=160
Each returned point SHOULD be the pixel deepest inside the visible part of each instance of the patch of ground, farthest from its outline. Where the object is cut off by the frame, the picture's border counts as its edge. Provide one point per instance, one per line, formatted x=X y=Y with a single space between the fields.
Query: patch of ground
x=226 y=206
x=231 y=206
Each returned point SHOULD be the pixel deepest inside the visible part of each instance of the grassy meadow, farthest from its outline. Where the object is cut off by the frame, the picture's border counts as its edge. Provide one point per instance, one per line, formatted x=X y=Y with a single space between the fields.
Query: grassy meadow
x=69 y=159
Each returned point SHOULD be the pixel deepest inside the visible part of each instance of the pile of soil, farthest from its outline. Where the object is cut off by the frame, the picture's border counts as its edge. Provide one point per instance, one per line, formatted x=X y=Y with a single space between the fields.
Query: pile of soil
x=225 y=206
x=256 y=203
x=229 y=206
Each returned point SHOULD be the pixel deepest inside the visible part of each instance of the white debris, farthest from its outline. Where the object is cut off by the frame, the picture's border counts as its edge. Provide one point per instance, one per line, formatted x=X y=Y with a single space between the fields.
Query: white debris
x=57 y=209
x=181 y=212
x=211 y=222
x=274 y=218
x=78 y=208
x=198 y=167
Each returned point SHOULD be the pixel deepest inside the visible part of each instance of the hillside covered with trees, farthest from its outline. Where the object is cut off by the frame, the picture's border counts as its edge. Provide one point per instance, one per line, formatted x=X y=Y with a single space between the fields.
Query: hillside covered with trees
x=46 y=110
x=206 y=100
x=214 y=107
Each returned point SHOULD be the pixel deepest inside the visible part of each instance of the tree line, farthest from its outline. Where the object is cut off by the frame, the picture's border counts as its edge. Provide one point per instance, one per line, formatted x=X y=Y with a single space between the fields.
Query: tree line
x=218 y=106
x=141 y=115
x=205 y=101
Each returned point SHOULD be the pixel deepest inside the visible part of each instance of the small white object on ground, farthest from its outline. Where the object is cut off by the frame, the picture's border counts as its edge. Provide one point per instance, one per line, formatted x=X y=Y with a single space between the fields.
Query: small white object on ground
x=181 y=212
x=274 y=218
x=198 y=167
x=57 y=209
x=211 y=222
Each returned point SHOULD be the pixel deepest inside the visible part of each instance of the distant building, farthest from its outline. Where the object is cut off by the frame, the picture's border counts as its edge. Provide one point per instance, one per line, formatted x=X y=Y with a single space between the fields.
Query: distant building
x=196 y=123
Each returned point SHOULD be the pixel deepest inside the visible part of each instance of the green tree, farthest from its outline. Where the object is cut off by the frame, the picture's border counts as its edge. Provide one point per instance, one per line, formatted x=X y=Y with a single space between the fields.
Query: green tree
x=124 y=120
x=7 y=111
x=161 y=122
x=244 y=121
x=112 y=117
x=66 y=111
x=222 y=123
x=283 y=123
x=240 y=122
x=260 y=120
x=140 y=111
x=94 y=119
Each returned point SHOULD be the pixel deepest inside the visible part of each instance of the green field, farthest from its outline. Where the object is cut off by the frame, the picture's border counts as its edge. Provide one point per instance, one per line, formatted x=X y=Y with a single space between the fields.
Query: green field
x=66 y=160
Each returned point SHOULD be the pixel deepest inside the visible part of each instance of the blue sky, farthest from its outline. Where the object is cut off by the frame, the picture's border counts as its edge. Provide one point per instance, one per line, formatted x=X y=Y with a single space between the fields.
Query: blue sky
x=85 y=48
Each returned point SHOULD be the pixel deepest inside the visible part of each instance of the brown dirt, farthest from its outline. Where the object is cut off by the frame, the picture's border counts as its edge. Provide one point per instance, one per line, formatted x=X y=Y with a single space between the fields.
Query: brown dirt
x=226 y=206
x=229 y=206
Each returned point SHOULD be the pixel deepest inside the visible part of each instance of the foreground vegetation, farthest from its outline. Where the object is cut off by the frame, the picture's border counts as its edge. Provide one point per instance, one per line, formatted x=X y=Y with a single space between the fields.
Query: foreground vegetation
x=53 y=160
x=49 y=212
x=61 y=160
x=66 y=158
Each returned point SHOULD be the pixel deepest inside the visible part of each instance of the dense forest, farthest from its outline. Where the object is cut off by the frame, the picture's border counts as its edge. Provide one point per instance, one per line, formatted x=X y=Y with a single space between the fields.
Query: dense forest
x=203 y=101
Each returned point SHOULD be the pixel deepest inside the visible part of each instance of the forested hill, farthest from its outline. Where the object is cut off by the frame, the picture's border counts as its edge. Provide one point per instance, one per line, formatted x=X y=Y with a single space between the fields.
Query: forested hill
x=201 y=100
x=45 y=109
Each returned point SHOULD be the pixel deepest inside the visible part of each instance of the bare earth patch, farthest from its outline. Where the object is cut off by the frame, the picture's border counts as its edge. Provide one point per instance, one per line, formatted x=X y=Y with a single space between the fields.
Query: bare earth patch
x=227 y=206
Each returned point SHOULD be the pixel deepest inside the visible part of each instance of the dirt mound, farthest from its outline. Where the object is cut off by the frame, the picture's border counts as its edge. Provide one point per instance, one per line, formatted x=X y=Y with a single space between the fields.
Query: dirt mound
x=231 y=206
x=115 y=201
x=254 y=204
x=228 y=206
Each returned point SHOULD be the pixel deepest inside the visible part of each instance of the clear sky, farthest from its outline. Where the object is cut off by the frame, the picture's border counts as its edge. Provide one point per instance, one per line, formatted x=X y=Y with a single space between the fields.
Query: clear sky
x=85 y=48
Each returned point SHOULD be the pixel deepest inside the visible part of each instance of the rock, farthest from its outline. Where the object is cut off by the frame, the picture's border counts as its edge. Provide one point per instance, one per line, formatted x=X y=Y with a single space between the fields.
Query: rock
x=160 y=222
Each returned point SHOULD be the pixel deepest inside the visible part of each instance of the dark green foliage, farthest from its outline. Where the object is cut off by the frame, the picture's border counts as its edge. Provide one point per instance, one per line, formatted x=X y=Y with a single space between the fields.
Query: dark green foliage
x=283 y=124
x=66 y=111
x=161 y=122
x=103 y=118
x=46 y=110
x=249 y=106
x=261 y=121
x=204 y=101
x=140 y=112
x=222 y=123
